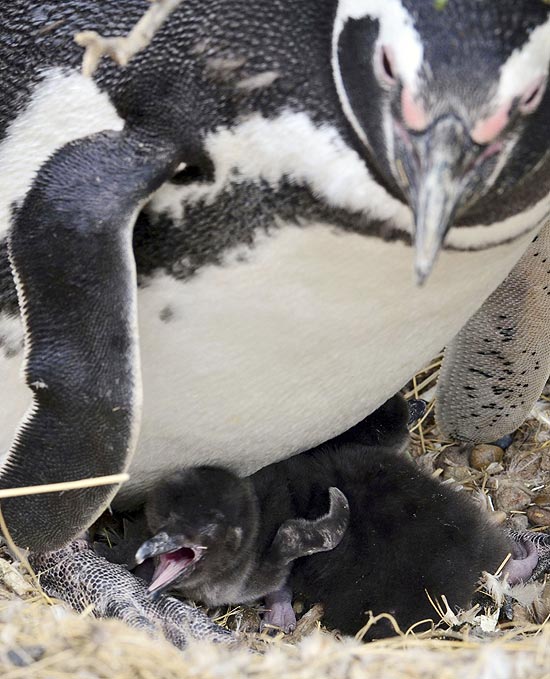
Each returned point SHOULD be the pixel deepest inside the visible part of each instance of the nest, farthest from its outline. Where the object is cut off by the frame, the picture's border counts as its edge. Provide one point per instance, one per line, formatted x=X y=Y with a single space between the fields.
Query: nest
x=501 y=636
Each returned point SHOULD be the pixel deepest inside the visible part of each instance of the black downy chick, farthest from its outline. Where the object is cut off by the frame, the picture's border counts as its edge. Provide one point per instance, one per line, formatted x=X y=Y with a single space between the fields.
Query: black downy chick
x=221 y=539
x=214 y=543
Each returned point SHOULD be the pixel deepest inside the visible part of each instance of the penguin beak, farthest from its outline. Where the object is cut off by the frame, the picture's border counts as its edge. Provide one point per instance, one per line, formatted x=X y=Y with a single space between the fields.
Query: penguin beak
x=438 y=165
x=176 y=557
x=159 y=544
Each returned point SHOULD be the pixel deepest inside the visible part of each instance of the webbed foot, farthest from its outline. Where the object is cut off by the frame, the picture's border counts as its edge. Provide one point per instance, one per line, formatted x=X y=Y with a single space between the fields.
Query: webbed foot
x=77 y=575
x=530 y=556
x=279 y=614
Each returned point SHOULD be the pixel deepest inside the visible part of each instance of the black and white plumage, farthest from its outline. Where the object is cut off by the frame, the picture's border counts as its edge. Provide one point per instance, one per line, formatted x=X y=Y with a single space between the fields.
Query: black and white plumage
x=273 y=162
x=219 y=539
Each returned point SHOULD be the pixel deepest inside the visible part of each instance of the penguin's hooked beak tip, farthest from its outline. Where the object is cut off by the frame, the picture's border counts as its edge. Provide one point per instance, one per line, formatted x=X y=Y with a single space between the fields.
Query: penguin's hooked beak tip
x=175 y=557
x=422 y=271
x=162 y=544
x=438 y=165
x=438 y=195
x=434 y=215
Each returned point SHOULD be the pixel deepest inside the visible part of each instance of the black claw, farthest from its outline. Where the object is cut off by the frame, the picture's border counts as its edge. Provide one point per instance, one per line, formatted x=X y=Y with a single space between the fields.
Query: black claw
x=417 y=408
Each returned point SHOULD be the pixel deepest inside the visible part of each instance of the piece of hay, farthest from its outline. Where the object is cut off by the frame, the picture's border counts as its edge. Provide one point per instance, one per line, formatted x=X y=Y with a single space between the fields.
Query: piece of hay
x=36 y=642
x=122 y=48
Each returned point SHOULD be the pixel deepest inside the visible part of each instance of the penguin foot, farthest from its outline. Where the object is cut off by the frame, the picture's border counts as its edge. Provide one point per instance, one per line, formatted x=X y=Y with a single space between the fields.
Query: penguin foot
x=530 y=556
x=82 y=578
x=279 y=614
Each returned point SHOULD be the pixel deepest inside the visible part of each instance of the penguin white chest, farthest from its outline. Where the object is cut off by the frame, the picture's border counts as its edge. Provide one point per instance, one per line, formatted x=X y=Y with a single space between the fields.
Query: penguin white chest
x=291 y=341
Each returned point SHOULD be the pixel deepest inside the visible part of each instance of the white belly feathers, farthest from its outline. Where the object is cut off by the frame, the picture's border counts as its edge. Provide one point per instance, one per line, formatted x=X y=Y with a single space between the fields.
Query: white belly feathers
x=266 y=354
x=249 y=361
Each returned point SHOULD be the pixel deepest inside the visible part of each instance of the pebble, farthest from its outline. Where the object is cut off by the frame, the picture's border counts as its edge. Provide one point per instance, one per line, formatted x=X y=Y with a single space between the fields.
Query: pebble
x=541 y=604
x=545 y=460
x=25 y=655
x=542 y=500
x=485 y=454
x=511 y=497
x=247 y=620
x=517 y=522
x=456 y=456
x=497 y=518
x=458 y=474
x=504 y=442
x=538 y=516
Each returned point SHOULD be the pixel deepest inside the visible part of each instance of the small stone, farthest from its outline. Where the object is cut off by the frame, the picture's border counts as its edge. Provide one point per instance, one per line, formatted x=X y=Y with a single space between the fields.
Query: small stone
x=518 y=522
x=511 y=497
x=458 y=474
x=504 y=442
x=538 y=516
x=541 y=604
x=497 y=518
x=247 y=620
x=26 y=655
x=456 y=455
x=545 y=460
x=485 y=454
x=542 y=500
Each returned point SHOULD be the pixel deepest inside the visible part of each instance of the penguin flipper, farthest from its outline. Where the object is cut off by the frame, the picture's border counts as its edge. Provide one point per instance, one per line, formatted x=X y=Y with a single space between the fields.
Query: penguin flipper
x=77 y=575
x=303 y=537
x=71 y=255
x=496 y=367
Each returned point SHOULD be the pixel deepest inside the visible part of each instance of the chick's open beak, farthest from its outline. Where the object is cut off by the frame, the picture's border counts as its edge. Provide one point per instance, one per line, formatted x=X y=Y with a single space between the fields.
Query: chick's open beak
x=175 y=556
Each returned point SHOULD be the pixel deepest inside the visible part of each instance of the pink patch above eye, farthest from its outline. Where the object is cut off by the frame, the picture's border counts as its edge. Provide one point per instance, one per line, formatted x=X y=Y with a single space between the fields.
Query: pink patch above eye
x=414 y=115
x=487 y=129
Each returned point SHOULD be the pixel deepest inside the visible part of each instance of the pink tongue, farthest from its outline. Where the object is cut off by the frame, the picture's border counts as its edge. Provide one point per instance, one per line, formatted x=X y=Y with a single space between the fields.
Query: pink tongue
x=169 y=567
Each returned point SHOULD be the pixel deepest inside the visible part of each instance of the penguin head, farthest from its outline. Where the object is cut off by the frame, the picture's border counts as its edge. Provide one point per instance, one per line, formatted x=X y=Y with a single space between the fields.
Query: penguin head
x=200 y=518
x=451 y=103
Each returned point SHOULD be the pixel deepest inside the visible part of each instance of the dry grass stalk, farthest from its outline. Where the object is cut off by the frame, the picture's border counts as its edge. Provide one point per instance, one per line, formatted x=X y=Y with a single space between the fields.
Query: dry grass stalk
x=92 y=482
x=122 y=48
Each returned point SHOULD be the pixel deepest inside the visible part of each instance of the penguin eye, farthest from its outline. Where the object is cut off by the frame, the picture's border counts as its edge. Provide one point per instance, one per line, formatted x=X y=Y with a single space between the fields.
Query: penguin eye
x=532 y=96
x=385 y=68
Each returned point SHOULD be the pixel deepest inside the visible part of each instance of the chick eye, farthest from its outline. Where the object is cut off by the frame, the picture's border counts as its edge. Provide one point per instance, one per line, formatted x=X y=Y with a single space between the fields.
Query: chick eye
x=532 y=96
x=385 y=67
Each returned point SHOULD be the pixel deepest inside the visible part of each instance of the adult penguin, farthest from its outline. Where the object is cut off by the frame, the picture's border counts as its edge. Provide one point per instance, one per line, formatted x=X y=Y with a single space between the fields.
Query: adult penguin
x=284 y=169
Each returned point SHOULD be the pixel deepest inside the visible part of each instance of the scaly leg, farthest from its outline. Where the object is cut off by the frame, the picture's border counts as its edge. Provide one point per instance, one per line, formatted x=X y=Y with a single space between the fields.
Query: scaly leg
x=496 y=367
x=77 y=575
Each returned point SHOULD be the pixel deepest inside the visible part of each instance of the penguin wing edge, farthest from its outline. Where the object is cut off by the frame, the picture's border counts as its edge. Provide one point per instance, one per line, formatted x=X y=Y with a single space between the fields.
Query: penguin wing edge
x=302 y=537
x=71 y=255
